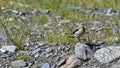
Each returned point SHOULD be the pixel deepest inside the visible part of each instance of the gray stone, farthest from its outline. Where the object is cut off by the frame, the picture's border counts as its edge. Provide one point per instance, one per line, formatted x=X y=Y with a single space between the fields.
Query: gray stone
x=45 y=65
x=18 y=63
x=30 y=64
x=35 y=47
x=53 y=66
x=10 y=48
x=4 y=56
x=25 y=67
x=83 y=51
x=0 y=64
x=36 y=55
x=48 y=55
x=49 y=49
x=3 y=50
x=57 y=59
x=107 y=54
x=109 y=12
x=35 y=51
x=63 y=61
x=2 y=42
x=97 y=42
x=41 y=43
x=116 y=65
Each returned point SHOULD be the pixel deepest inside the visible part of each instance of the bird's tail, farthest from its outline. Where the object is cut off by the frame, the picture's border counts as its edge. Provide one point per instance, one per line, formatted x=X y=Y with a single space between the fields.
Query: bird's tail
x=71 y=36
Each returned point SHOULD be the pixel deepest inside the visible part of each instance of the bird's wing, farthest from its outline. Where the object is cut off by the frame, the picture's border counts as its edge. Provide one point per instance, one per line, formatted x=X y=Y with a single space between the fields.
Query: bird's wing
x=75 y=31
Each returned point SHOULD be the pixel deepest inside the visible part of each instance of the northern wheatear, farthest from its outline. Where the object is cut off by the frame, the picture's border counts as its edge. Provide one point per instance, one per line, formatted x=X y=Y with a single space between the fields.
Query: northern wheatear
x=80 y=30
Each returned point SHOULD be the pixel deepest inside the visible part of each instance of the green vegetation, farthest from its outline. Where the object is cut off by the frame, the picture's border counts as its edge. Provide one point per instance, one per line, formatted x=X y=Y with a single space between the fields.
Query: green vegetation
x=22 y=56
x=18 y=32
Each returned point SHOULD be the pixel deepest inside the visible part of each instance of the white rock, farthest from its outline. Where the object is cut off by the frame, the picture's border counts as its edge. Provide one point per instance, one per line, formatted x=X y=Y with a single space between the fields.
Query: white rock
x=3 y=50
x=10 y=48
x=108 y=54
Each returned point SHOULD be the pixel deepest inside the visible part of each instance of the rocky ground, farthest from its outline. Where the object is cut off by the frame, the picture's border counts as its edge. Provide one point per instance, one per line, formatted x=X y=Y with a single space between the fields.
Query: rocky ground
x=43 y=54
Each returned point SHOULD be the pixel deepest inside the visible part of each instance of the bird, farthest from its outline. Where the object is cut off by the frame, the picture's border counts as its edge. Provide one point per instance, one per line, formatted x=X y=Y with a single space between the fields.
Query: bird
x=79 y=31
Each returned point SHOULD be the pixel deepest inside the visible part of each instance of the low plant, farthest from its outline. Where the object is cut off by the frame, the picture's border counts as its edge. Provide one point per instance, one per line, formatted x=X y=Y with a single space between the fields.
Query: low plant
x=22 y=56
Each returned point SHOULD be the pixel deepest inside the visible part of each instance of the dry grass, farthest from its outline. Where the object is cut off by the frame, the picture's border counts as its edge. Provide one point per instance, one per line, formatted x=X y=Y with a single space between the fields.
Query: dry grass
x=18 y=35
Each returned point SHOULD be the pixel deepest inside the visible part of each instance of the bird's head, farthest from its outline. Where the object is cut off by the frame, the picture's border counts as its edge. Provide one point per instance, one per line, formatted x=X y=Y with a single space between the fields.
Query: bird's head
x=81 y=25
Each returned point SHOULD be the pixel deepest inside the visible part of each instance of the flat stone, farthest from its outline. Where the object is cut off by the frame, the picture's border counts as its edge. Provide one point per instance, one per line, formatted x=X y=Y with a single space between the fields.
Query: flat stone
x=116 y=65
x=18 y=63
x=0 y=64
x=2 y=42
x=45 y=65
x=71 y=59
x=4 y=56
x=3 y=50
x=10 y=48
x=83 y=51
x=108 y=54
x=63 y=61
x=53 y=66
x=41 y=43
x=49 y=49
x=48 y=55
x=36 y=55
x=35 y=51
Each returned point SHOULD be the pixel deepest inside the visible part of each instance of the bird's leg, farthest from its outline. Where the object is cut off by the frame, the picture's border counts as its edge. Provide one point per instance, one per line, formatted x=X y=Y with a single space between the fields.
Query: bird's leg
x=78 y=39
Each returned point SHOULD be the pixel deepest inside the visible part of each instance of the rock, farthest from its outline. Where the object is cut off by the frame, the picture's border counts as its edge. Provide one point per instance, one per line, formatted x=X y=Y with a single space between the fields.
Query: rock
x=10 y=48
x=30 y=64
x=41 y=43
x=35 y=66
x=3 y=50
x=57 y=58
x=35 y=47
x=25 y=67
x=110 y=12
x=45 y=65
x=15 y=11
x=83 y=51
x=48 y=55
x=49 y=49
x=53 y=44
x=59 y=48
x=4 y=56
x=97 y=42
x=18 y=63
x=72 y=62
x=116 y=65
x=63 y=61
x=71 y=59
x=0 y=64
x=63 y=55
x=36 y=55
x=107 y=54
x=67 y=49
x=53 y=66
x=2 y=42
x=35 y=51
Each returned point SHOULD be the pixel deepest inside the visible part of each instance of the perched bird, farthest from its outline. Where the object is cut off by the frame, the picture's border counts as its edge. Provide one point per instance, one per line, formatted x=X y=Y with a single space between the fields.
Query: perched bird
x=80 y=30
